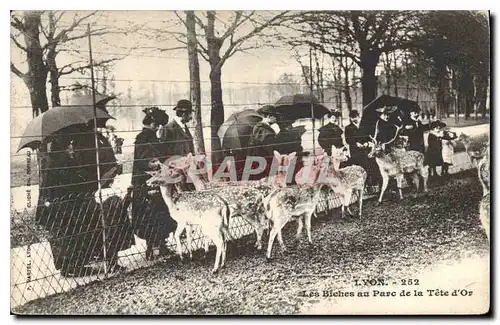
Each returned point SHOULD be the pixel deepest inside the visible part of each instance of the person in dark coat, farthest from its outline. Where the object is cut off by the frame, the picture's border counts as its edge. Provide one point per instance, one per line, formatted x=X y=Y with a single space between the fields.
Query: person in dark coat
x=76 y=235
x=414 y=129
x=330 y=134
x=289 y=140
x=150 y=216
x=357 y=141
x=385 y=130
x=262 y=143
x=434 y=154
x=175 y=136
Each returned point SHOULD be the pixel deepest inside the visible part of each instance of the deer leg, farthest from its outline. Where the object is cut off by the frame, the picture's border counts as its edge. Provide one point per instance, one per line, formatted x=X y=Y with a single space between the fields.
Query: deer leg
x=308 y=226
x=224 y=249
x=416 y=182
x=189 y=239
x=280 y=240
x=299 y=227
x=399 y=181
x=347 y=200
x=425 y=177
x=177 y=235
x=361 y=201
x=385 y=181
x=218 y=243
x=272 y=235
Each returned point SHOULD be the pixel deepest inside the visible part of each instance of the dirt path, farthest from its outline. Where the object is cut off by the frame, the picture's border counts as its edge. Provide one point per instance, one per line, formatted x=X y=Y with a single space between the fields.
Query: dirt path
x=394 y=241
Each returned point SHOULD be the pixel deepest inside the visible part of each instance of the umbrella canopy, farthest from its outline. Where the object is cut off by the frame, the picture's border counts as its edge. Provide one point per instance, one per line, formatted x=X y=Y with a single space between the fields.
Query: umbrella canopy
x=56 y=119
x=298 y=106
x=235 y=132
x=400 y=107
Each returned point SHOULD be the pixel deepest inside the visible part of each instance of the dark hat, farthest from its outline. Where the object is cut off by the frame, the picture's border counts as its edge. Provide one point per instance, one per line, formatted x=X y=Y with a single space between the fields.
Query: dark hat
x=154 y=114
x=437 y=124
x=335 y=113
x=414 y=108
x=387 y=109
x=267 y=110
x=184 y=105
x=354 y=113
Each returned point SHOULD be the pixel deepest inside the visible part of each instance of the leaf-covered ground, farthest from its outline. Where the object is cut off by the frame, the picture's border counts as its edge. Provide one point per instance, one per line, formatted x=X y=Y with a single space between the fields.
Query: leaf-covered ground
x=396 y=239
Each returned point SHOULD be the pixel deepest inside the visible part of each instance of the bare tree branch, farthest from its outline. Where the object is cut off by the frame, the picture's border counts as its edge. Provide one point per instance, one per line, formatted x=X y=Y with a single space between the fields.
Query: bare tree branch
x=81 y=68
x=64 y=32
x=16 y=71
x=19 y=45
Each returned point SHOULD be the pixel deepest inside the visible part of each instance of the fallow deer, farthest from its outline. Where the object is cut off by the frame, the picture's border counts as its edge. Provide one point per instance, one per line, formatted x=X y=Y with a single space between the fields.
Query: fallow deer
x=285 y=204
x=244 y=197
x=478 y=153
x=204 y=208
x=397 y=163
x=342 y=181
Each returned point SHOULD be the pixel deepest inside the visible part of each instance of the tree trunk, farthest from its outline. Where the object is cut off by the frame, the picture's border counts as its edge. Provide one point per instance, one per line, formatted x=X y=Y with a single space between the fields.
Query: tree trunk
x=369 y=61
x=347 y=90
x=194 y=81
x=395 y=75
x=55 y=98
x=36 y=77
x=217 y=115
x=387 y=69
x=214 y=45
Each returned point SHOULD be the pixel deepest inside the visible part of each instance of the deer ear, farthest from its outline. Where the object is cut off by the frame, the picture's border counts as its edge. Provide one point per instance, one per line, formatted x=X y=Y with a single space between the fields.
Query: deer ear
x=189 y=158
x=292 y=155
x=277 y=155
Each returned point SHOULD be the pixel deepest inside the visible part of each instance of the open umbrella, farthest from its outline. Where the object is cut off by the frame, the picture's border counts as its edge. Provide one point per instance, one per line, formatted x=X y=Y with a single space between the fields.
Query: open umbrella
x=235 y=132
x=298 y=106
x=401 y=111
x=58 y=118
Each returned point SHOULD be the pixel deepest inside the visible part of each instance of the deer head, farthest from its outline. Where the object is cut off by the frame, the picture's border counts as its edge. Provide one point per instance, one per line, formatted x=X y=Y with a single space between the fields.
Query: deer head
x=279 y=179
x=379 y=147
x=173 y=171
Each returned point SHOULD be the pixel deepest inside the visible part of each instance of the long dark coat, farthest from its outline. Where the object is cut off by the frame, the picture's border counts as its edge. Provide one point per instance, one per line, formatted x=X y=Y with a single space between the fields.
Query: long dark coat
x=150 y=217
x=330 y=135
x=288 y=141
x=262 y=143
x=434 y=154
x=354 y=135
x=175 y=141
x=359 y=156
x=73 y=216
x=416 y=135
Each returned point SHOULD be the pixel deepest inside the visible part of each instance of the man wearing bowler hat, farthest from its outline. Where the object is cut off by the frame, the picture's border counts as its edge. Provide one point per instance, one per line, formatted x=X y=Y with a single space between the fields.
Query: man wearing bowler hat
x=175 y=137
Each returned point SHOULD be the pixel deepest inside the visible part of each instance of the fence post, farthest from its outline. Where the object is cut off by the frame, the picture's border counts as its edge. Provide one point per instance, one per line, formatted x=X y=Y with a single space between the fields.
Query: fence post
x=99 y=185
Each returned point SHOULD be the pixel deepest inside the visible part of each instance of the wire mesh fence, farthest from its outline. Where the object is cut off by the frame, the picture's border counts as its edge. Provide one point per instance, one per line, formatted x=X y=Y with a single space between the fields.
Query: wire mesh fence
x=73 y=235
x=50 y=242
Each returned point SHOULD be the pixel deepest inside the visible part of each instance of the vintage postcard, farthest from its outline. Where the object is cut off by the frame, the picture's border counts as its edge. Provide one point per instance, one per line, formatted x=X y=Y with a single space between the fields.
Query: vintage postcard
x=250 y=162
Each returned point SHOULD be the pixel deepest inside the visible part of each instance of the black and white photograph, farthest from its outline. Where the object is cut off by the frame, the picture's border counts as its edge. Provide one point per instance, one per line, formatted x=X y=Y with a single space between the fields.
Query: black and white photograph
x=250 y=162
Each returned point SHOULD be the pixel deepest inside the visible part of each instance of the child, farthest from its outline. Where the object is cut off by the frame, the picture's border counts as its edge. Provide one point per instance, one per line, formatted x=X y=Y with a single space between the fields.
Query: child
x=434 y=154
x=448 y=150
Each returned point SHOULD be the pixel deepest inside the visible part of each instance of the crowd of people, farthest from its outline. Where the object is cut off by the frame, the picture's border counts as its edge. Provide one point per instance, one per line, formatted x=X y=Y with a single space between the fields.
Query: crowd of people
x=71 y=172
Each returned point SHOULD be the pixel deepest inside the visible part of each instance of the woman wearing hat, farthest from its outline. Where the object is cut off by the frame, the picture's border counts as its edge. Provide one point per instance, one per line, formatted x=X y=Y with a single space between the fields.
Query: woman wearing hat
x=414 y=129
x=150 y=218
x=434 y=154
x=385 y=130
x=357 y=141
x=330 y=134
x=262 y=142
